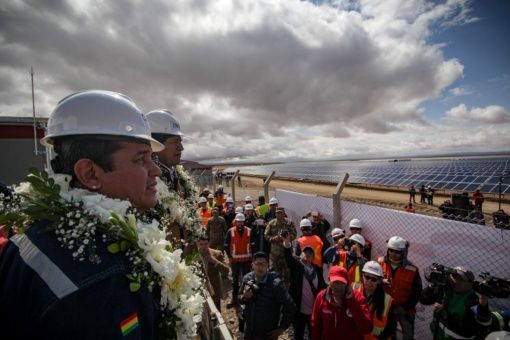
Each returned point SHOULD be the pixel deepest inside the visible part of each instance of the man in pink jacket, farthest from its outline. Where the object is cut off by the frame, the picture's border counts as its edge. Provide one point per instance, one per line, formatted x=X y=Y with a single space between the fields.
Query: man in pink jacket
x=338 y=311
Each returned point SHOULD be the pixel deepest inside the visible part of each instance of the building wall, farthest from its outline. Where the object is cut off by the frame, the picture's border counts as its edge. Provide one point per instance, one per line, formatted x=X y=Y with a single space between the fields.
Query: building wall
x=17 y=156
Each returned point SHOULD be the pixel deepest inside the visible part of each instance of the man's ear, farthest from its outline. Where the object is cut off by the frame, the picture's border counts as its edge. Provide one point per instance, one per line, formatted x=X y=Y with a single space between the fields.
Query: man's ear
x=87 y=172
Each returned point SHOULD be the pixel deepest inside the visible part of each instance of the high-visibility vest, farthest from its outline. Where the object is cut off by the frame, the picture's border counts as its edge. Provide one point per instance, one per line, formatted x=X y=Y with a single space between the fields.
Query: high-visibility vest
x=379 y=324
x=240 y=248
x=262 y=210
x=205 y=214
x=316 y=243
x=220 y=199
x=354 y=271
x=401 y=285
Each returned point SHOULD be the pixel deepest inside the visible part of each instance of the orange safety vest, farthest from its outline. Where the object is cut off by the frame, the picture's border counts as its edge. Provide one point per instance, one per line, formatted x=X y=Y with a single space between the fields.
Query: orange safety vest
x=354 y=274
x=205 y=214
x=220 y=199
x=316 y=243
x=240 y=248
x=401 y=285
x=379 y=324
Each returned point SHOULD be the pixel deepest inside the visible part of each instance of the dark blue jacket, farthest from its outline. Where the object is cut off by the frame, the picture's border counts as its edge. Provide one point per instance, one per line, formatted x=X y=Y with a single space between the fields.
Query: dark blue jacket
x=271 y=307
x=45 y=294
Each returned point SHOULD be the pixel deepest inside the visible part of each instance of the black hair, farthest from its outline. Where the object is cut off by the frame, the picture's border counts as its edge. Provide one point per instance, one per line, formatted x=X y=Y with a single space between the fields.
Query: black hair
x=97 y=148
x=260 y=255
x=262 y=200
x=161 y=137
x=203 y=237
x=378 y=301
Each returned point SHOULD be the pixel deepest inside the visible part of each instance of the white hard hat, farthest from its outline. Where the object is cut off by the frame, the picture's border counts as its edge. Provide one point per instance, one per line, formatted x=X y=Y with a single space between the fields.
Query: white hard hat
x=202 y=199
x=248 y=206
x=97 y=112
x=358 y=238
x=305 y=223
x=229 y=200
x=273 y=200
x=355 y=223
x=164 y=121
x=239 y=210
x=397 y=243
x=337 y=232
x=248 y=198
x=498 y=335
x=210 y=196
x=240 y=217
x=374 y=268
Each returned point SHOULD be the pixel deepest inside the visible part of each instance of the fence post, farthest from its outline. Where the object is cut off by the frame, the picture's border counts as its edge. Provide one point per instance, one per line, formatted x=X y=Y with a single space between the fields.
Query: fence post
x=266 y=186
x=233 y=184
x=337 y=212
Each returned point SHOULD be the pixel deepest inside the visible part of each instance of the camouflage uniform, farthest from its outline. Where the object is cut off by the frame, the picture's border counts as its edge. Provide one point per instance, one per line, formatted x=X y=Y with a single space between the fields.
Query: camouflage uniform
x=216 y=229
x=276 y=255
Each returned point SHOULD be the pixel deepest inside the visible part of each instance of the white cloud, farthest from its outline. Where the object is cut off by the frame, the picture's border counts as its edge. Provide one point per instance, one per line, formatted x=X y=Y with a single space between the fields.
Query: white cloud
x=460 y=91
x=246 y=78
x=493 y=114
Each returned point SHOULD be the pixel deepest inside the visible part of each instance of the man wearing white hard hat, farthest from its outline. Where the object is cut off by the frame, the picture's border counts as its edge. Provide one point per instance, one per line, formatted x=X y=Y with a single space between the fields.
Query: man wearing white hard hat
x=203 y=210
x=238 y=249
x=307 y=239
x=351 y=257
x=338 y=236
x=249 y=213
x=379 y=302
x=356 y=227
x=271 y=214
x=210 y=201
x=64 y=271
x=166 y=129
x=402 y=281
x=228 y=211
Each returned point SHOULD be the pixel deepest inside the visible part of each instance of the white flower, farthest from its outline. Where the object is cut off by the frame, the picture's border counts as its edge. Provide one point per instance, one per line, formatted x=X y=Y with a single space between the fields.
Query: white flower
x=24 y=188
x=63 y=181
x=103 y=206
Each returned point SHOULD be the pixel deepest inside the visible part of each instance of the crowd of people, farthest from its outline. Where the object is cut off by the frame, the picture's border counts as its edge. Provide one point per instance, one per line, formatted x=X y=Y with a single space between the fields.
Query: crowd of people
x=82 y=268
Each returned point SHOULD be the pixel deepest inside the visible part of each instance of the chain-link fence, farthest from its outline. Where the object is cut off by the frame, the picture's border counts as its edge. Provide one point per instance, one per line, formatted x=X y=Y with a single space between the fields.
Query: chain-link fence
x=432 y=240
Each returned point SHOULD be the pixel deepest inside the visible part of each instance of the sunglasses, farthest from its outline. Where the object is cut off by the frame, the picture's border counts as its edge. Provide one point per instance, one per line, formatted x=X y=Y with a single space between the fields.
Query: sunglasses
x=371 y=278
x=395 y=251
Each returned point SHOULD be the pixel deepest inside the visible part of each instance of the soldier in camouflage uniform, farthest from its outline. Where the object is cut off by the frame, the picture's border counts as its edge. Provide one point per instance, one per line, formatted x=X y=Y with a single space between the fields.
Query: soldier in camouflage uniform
x=216 y=229
x=276 y=231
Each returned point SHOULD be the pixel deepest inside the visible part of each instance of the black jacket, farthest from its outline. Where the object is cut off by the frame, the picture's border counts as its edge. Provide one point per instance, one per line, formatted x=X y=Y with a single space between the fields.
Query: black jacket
x=297 y=269
x=271 y=306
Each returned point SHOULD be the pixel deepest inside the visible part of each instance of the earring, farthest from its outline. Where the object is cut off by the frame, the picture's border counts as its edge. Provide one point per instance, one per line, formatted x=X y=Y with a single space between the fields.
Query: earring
x=94 y=187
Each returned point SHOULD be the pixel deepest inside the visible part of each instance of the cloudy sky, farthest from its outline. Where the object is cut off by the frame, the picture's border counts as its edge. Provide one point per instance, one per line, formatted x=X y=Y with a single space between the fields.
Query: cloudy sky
x=274 y=79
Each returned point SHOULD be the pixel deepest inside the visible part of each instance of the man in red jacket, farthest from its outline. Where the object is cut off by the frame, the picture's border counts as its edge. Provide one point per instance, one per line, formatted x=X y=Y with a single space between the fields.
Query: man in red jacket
x=338 y=311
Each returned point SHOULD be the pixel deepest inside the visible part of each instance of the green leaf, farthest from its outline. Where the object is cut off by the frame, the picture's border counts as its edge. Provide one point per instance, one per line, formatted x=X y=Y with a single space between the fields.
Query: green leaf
x=191 y=258
x=134 y=286
x=124 y=245
x=113 y=248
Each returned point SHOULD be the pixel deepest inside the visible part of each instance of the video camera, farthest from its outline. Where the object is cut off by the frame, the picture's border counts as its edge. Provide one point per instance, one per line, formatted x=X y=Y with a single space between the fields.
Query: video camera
x=438 y=274
x=348 y=244
x=493 y=287
x=490 y=286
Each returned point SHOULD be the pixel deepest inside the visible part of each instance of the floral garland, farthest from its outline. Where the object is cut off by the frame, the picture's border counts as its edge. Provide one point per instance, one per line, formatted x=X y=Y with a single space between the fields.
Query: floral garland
x=181 y=210
x=78 y=217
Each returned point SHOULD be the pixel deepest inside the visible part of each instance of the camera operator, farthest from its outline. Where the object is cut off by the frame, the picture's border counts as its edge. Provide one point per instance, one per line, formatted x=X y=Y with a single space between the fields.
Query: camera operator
x=350 y=257
x=454 y=317
x=269 y=309
x=276 y=231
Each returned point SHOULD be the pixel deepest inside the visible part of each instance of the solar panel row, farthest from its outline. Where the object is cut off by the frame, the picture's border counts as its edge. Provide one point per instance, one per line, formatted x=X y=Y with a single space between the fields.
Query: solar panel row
x=452 y=174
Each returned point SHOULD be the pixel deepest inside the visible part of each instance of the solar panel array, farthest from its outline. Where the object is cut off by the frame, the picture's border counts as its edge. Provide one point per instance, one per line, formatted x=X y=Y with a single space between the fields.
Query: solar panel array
x=463 y=175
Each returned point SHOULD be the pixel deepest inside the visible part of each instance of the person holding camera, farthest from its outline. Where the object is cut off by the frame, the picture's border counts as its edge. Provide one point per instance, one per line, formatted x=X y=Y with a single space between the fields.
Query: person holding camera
x=350 y=257
x=338 y=236
x=454 y=317
x=268 y=307
x=238 y=249
x=380 y=303
x=402 y=282
x=258 y=241
x=355 y=227
x=276 y=231
x=339 y=312
x=309 y=240
x=306 y=282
